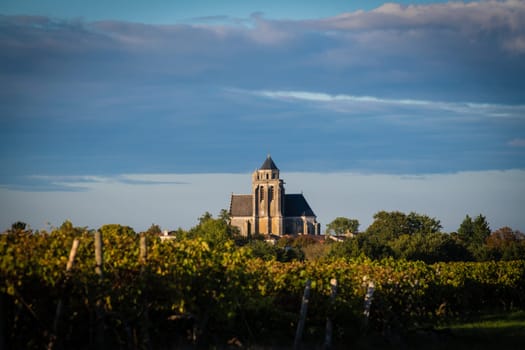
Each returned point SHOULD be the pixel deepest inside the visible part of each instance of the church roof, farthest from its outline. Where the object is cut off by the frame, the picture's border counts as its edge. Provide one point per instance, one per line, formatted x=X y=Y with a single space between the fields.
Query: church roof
x=296 y=205
x=241 y=205
x=268 y=164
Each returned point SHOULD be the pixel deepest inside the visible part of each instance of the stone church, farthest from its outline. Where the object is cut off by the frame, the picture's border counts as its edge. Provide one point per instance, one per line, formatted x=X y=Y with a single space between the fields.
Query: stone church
x=268 y=210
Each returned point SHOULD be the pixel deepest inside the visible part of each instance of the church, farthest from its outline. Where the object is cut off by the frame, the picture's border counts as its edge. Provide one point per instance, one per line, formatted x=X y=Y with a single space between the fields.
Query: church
x=268 y=210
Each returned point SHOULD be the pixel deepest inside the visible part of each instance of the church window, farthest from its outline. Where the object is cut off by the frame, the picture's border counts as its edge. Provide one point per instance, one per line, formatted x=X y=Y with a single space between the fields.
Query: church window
x=262 y=193
x=270 y=193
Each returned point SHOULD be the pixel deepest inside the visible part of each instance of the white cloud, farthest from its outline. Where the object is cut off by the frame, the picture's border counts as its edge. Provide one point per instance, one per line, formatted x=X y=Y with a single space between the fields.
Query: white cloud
x=346 y=103
x=470 y=19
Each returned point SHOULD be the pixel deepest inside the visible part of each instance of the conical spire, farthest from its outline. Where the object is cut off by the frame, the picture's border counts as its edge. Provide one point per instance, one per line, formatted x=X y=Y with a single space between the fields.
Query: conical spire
x=268 y=164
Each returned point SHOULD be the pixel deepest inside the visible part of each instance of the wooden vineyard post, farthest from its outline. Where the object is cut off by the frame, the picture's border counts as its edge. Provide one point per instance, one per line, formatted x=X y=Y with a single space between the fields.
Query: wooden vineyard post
x=302 y=315
x=143 y=250
x=98 y=254
x=143 y=256
x=3 y=321
x=99 y=305
x=369 y=296
x=329 y=325
x=60 y=303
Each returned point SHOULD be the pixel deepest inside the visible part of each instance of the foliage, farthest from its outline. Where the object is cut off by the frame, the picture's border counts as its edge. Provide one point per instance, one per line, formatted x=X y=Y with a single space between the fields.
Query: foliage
x=391 y=225
x=506 y=244
x=430 y=248
x=473 y=234
x=154 y=230
x=419 y=237
x=216 y=232
x=342 y=226
x=202 y=289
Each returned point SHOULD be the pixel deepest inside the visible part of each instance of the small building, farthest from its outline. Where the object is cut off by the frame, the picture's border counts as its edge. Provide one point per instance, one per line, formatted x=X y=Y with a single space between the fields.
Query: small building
x=268 y=210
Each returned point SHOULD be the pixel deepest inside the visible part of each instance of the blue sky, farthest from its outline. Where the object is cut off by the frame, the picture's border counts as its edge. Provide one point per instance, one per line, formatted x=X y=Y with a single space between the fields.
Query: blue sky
x=205 y=87
x=169 y=11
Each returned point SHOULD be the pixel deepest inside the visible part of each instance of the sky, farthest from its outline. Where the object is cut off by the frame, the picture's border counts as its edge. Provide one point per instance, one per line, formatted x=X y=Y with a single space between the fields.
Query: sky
x=105 y=103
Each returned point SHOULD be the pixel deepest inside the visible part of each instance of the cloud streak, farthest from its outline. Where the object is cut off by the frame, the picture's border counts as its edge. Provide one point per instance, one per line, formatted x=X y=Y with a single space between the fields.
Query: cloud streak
x=74 y=183
x=339 y=102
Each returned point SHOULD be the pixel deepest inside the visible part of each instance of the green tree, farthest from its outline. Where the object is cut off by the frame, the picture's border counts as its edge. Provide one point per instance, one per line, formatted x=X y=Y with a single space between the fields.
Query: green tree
x=429 y=247
x=225 y=215
x=154 y=230
x=481 y=230
x=115 y=230
x=473 y=234
x=371 y=246
x=216 y=232
x=466 y=229
x=388 y=225
x=342 y=225
x=68 y=231
x=391 y=225
x=263 y=250
x=424 y=224
x=18 y=226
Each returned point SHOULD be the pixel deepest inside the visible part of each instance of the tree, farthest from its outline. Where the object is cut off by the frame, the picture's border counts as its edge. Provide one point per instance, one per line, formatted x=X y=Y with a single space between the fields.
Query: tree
x=116 y=229
x=424 y=224
x=466 y=229
x=263 y=250
x=342 y=225
x=481 y=230
x=214 y=231
x=368 y=245
x=18 y=226
x=506 y=244
x=388 y=225
x=391 y=225
x=154 y=230
x=67 y=229
x=205 y=217
x=473 y=234
x=430 y=247
x=225 y=215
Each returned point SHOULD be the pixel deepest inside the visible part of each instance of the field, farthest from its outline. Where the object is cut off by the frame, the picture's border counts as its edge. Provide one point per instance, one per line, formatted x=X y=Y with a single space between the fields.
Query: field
x=489 y=331
x=196 y=293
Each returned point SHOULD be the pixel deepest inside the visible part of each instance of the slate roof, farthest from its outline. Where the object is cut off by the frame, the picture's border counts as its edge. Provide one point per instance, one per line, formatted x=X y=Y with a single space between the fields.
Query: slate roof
x=241 y=205
x=296 y=205
x=268 y=164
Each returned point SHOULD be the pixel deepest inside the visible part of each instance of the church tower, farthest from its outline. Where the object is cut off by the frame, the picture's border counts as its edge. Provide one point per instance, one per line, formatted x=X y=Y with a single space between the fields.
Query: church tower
x=268 y=210
x=268 y=199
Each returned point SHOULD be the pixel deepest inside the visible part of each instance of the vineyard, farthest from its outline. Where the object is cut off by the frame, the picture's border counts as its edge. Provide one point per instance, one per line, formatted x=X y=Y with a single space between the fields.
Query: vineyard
x=192 y=292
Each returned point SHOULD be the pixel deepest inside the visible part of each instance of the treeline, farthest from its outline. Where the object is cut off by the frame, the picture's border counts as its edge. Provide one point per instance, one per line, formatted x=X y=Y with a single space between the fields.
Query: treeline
x=208 y=287
x=413 y=237
x=416 y=236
